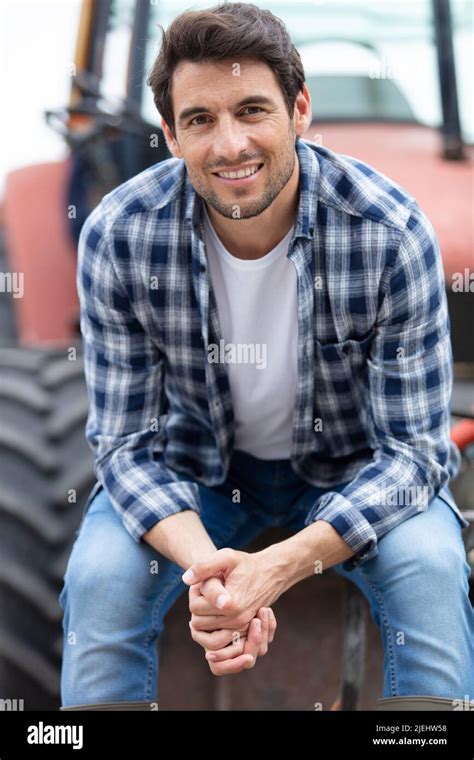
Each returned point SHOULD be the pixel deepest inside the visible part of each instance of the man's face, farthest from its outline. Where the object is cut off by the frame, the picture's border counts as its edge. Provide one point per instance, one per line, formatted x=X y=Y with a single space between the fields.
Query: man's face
x=228 y=117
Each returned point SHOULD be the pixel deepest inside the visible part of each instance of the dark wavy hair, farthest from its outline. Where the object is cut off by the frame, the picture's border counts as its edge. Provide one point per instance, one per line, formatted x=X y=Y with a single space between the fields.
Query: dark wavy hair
x=227 y=31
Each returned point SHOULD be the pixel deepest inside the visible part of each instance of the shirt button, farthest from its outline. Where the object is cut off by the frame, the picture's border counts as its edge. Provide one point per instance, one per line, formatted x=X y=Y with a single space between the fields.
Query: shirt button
x=202 y=268
x=346 y=349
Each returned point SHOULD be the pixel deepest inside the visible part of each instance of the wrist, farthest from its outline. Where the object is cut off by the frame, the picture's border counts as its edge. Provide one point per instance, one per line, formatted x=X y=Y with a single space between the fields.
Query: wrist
x=181 y=538
x=198 y=553
x=312 y=550
x=279 y=564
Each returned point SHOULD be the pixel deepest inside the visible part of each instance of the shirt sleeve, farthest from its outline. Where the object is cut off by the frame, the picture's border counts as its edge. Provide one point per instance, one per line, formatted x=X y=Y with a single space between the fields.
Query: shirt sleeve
x=124 y=372
x=409 y=385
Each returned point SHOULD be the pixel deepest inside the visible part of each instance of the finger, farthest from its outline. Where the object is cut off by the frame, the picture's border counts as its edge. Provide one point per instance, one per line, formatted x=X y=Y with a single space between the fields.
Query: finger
x=194 y=594
x=198 y=603
x=200 y=606
x=221 y=561
x=236 y=665
x=272 y=625
x=214 y=640
x=264 y=619
x=267 y=618
x=214 y=591
x=235 y=649
x=246 y=660
x=214 y=622
x=254 y=638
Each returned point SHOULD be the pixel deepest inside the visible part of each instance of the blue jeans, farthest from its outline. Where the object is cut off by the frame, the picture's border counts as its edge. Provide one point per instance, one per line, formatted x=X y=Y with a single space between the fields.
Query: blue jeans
x=417 y=588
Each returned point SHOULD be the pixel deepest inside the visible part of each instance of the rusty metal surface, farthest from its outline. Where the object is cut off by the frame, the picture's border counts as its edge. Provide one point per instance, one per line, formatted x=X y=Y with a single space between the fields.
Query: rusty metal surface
x=301 y=671
x=39 y=245
x=411 y=155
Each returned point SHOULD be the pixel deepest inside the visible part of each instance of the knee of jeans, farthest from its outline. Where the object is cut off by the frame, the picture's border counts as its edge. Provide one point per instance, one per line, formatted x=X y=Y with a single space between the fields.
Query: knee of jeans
x=109 y=577
x=447 y=562
x=439 y=554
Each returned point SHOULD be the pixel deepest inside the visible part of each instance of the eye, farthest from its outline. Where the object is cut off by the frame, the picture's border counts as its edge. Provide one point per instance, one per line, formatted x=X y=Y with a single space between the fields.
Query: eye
x=254 y=107
x=201 y=116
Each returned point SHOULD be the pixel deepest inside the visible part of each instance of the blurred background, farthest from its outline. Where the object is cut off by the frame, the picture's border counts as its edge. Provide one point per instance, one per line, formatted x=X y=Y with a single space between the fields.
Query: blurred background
x=392 y=84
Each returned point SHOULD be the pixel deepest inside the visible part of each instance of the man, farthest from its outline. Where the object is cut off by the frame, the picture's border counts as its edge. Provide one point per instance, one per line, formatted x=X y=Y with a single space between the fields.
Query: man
x=266 y=343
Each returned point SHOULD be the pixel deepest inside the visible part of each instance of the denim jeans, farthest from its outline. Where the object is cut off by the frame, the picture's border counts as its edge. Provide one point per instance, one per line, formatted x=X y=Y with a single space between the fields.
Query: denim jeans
x=417 y=588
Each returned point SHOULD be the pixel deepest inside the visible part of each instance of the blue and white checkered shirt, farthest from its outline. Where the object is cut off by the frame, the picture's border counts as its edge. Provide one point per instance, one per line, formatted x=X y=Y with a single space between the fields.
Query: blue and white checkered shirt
x=374 y=356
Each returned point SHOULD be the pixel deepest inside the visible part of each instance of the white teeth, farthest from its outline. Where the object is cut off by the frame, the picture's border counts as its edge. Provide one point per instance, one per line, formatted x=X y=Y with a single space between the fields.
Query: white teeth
x=241 y=173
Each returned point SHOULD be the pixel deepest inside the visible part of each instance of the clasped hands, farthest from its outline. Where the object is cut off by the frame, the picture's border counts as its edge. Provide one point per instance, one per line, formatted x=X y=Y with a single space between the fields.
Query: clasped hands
x=229 y=599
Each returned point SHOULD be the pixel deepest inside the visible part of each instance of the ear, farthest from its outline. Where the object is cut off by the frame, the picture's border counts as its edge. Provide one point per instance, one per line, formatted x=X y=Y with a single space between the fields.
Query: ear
x=303 y=114
x=171 y=142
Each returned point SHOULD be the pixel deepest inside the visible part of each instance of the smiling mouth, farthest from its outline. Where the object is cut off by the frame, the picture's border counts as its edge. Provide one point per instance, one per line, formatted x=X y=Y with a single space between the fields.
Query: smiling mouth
x=241 y=176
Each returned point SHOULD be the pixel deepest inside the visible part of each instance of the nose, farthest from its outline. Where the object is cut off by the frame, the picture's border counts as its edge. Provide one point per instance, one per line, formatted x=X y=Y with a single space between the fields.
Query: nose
x=230 y=142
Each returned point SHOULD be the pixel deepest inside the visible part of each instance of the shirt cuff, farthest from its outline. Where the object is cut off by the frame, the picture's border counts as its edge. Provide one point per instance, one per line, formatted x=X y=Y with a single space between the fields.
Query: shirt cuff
x=149 y=509
x=351 y=525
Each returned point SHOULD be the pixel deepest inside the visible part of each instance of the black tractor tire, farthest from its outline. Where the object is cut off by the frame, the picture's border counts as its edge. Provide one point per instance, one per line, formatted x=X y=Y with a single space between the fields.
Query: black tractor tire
x=46 y=475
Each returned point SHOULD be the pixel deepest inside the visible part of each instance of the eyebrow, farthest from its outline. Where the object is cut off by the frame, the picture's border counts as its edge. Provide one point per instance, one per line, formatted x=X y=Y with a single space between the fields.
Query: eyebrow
x=254 y=100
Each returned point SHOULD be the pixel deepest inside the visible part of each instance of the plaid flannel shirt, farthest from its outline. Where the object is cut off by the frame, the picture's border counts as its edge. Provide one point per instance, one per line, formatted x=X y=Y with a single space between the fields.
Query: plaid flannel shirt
x=374 y=356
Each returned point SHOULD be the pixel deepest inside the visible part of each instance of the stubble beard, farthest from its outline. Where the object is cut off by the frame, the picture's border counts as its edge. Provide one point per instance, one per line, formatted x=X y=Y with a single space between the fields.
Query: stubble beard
x=238 y=207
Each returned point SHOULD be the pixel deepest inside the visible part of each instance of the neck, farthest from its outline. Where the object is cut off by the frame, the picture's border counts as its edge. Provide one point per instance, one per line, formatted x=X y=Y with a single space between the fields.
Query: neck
x=255 y=237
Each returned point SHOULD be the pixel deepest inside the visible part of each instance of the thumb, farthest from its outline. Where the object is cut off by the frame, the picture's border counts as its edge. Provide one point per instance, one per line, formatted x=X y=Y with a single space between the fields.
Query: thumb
x=219 y=562
x=215 y=592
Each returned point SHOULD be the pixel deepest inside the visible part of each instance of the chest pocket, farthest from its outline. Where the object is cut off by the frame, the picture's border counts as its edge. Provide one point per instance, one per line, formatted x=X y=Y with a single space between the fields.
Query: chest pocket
x=341 y=397
x=342 y=359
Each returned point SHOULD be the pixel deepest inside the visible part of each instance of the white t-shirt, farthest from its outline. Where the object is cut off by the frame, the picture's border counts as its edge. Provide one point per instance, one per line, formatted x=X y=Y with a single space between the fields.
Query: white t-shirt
x=258 y=317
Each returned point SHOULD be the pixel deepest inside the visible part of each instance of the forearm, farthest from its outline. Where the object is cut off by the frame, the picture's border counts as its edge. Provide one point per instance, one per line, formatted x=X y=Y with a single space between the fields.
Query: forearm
x=182 y=538
x=311 y=550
